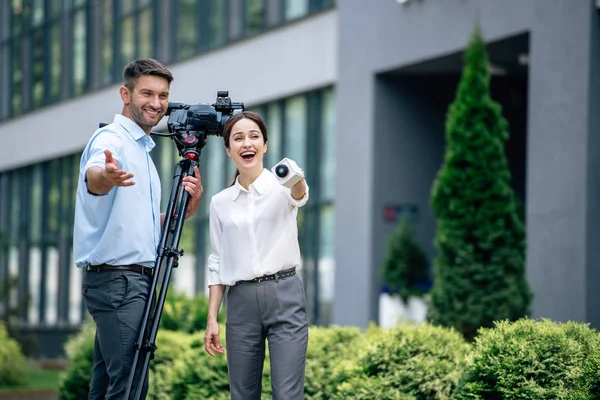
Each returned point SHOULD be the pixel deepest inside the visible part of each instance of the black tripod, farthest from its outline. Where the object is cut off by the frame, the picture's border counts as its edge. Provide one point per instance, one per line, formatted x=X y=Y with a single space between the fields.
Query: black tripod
x=167 y=259
x=189 y=127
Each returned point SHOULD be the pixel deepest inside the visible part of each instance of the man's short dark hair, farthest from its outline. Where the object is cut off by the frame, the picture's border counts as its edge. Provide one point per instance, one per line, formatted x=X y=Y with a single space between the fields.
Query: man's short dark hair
x=144 y=66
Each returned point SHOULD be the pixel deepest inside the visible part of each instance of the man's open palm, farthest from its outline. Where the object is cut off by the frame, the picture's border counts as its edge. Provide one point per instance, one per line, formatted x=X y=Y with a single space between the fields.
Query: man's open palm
x=114 y=173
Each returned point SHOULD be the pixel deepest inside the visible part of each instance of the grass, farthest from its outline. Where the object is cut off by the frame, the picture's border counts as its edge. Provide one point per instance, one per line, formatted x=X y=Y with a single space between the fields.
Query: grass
x=37 y=379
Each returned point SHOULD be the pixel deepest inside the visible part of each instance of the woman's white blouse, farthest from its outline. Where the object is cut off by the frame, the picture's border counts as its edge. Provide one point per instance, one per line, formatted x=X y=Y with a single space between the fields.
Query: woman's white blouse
x=253 y=232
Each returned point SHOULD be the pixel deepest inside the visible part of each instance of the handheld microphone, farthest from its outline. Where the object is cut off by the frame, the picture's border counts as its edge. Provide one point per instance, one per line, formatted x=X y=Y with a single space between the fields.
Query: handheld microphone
x=287 y=172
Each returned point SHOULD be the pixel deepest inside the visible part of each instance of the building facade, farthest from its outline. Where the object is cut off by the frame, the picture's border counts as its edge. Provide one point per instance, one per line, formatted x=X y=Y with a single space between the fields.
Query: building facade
x=355 y=91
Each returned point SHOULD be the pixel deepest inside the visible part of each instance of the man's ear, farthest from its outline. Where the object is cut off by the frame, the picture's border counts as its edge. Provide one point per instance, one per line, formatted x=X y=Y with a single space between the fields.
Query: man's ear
x=125 y=95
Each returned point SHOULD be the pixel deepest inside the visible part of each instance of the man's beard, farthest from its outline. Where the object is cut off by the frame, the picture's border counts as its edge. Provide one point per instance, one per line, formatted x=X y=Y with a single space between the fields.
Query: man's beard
x=138 y=115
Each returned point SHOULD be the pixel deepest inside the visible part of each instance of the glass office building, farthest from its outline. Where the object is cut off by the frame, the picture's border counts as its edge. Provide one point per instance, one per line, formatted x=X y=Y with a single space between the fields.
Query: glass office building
x=54 y=53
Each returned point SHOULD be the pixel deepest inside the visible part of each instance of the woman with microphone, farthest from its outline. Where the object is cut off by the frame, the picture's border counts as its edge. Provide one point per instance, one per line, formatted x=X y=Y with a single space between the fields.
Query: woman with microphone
x=255 y=254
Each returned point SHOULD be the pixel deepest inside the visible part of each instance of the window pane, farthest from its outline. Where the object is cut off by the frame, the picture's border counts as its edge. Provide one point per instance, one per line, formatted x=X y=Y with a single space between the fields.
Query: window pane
x=107 y=41
x=295 y=9
x=38 y=68
x=215 y=151
x=328 y=143
x=17 y=77
x=326 y=263
x=38 y=12
x=187 y=33
x=56 y=7
x=18 y=17
x=145 y=29
x=127 y=41
x=255 y=16
x=218 y=27
x=55 y=61
x=127 y=6
x=79 y=61
x=35 y=258
x=295 y=130
x=274 y=128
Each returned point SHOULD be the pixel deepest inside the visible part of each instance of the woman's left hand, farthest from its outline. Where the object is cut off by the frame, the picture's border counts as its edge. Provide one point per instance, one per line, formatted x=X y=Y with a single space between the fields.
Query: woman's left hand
x=193 y=185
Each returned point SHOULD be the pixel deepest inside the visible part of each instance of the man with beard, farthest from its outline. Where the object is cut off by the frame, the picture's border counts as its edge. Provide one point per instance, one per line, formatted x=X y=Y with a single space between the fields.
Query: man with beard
x=118 y=223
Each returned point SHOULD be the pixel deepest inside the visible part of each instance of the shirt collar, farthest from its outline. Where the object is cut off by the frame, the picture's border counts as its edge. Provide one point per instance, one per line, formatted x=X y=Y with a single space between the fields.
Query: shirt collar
x=135 y=131
x=260 y=185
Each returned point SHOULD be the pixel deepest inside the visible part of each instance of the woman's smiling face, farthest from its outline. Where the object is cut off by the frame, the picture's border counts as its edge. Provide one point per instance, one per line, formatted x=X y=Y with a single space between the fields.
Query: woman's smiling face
x=246 y=145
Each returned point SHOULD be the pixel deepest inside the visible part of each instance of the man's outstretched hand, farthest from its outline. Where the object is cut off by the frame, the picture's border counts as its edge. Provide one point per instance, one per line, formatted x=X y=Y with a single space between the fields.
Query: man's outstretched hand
x=114 y=174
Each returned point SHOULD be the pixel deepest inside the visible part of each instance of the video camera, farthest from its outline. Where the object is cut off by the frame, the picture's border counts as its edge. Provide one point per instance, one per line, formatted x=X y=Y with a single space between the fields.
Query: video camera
x=190 y=125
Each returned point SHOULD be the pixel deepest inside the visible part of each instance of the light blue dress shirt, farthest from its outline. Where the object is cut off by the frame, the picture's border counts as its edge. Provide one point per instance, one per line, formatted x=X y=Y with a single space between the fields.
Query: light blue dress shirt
x=123 y=226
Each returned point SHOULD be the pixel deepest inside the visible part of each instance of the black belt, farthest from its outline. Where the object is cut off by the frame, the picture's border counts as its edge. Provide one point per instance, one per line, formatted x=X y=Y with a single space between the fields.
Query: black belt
x=277 y=275
x=135 y=268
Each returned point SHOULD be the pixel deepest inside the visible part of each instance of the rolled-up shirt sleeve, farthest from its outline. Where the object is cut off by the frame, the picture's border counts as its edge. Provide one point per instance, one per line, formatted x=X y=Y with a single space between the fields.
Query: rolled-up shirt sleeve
x=106 y=140
x=214 y=259
x=297 y=203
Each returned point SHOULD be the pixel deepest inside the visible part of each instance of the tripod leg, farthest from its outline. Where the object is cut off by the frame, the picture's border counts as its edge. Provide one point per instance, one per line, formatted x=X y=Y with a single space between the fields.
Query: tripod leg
x=167 y=257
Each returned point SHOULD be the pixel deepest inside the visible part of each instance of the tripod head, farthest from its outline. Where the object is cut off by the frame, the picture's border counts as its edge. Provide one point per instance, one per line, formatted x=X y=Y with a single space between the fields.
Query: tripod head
x=190 y=125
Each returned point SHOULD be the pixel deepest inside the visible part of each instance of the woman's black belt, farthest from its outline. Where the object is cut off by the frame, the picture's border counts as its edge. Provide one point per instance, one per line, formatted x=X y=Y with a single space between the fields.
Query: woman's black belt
x=277 y=275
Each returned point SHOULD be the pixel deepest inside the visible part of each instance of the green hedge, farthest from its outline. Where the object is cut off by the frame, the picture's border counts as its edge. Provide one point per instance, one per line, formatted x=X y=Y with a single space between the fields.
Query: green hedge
x=12 y=362
x=526 y=359
x=424 y=362
x=75 y=382
x=534 y=360
x=181 y=317
x=186 y=314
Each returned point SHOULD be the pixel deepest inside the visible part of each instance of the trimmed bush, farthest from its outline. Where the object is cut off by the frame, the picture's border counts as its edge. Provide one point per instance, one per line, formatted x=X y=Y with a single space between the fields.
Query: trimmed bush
x=479 y=272
x=12 y=362
x=75 y=381
x=329 y=350
x=170 y=347
x=186 y=314
x=196 y=375
x=420 y=362
x=180 y=312
x=534 y=360
x=405 y=268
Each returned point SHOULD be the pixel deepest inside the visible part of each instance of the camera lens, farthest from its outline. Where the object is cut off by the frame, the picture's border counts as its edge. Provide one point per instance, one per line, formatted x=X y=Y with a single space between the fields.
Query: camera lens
x=281 y=170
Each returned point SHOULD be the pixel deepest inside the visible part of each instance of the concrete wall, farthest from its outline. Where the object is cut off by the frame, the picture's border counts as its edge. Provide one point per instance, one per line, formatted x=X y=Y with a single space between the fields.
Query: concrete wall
x=562 y=184
x=285 y=61
x=593 y=179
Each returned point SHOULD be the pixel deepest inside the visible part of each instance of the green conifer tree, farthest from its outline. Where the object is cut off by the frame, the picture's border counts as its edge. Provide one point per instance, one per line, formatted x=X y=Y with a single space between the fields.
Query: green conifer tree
x=405 y=268
x=479 y=272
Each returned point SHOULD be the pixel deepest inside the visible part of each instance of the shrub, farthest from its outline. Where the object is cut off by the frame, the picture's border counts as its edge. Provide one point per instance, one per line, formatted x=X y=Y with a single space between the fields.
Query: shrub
x=420 y=362
x=75 y=381
x=186 y=314
x=180 y=312
x=479 y=272
x=405 y=268
x=197 y=375
x=329 y=350
x=12 y=362
x=170 y=347
x=533 y=360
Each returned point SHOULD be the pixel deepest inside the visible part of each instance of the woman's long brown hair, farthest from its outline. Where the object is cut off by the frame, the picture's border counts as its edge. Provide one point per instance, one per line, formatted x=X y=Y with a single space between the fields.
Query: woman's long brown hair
x=237 y=117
